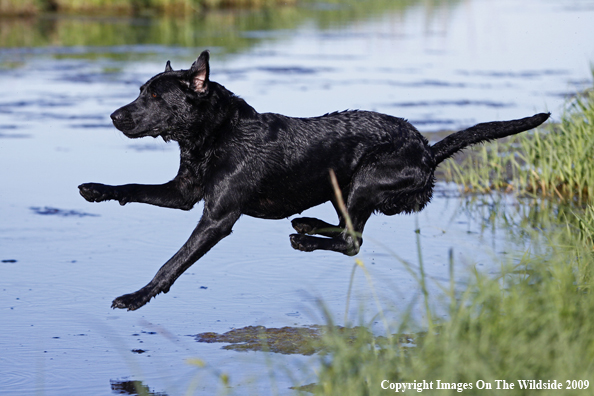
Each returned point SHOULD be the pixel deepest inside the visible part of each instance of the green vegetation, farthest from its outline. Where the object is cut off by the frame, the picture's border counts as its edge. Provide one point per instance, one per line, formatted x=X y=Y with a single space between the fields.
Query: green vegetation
x=185 y=7
x=229 y=30
x=32 y=7
x=555 y=161
x=221 y=29
x=533 y=322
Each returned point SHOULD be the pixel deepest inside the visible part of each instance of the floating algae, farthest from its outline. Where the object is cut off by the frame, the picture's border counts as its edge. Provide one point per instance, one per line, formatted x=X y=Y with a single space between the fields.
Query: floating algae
x=286 y=340
x=289 y=340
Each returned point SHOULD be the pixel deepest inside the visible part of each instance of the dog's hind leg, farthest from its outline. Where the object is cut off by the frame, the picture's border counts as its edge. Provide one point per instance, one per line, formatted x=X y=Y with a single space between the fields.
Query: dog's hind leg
x=340 y=239
x=387 y=179
x=313 y=226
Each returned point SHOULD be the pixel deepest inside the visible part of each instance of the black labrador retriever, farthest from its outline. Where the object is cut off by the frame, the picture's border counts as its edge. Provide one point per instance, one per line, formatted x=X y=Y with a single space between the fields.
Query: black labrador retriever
x=271 y=166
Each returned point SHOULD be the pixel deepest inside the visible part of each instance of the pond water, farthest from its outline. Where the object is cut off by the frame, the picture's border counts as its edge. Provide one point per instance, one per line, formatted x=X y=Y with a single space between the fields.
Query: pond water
x=442 y=65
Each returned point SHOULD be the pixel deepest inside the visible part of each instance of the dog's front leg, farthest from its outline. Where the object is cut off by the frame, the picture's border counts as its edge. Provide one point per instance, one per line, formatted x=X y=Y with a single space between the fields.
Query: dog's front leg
x=209 y=232
x=167 y=195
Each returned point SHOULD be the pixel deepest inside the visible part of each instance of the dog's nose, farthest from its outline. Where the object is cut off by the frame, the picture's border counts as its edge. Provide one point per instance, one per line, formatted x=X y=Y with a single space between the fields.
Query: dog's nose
x=122 y=119
x=116 y=115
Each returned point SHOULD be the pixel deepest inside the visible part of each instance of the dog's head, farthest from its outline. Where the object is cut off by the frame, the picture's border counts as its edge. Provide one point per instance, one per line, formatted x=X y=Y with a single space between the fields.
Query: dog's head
x=169 y=104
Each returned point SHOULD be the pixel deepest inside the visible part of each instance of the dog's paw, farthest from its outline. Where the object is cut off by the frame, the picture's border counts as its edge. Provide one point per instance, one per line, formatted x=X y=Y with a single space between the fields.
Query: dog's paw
x=95 y=192
x=313 y=226
x=132 y=301
x=303 y=225
x=302 y=242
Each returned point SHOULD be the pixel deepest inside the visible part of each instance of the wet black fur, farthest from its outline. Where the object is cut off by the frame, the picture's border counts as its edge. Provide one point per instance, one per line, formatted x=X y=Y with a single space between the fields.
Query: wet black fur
x=271 y=166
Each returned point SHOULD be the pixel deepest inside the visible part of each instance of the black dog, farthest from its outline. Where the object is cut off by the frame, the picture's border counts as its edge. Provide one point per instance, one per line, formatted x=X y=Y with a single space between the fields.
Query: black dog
x=272 y=166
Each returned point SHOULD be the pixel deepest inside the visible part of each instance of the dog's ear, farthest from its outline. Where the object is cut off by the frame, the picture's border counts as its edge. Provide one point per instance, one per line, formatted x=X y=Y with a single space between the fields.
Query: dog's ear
x=199 y=73
x=168 y=67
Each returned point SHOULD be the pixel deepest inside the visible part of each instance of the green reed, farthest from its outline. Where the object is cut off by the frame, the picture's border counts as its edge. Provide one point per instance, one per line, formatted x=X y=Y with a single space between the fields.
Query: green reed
x=551 y=161
x=531 y=322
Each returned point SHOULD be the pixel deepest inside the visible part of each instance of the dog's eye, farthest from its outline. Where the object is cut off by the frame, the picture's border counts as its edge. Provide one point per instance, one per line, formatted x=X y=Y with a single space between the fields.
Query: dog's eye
x=154 y=95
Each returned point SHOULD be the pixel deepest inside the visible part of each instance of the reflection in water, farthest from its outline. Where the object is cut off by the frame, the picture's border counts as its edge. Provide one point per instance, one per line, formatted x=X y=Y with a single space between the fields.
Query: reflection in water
x=49 y=211
x=133 y=388
x=228 y=30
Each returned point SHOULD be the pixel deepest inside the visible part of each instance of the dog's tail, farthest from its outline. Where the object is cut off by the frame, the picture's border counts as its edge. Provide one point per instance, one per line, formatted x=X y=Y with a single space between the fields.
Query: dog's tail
x=483 y=133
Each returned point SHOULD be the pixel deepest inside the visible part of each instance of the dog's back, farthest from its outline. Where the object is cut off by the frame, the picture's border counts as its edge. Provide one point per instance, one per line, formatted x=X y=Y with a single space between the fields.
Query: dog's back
x=289 y=158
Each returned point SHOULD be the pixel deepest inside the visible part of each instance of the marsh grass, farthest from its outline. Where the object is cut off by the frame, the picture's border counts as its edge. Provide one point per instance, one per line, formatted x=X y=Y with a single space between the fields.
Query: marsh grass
x=585 y=225
x=532 y=322
x=553 y=161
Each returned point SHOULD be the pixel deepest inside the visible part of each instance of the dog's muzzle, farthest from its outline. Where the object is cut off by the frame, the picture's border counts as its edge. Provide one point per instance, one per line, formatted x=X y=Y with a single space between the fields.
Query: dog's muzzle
x=122 y=119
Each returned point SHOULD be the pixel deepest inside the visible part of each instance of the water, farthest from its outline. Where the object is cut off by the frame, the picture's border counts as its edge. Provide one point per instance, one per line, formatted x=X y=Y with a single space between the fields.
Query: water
x=442 y=66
